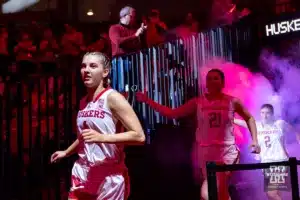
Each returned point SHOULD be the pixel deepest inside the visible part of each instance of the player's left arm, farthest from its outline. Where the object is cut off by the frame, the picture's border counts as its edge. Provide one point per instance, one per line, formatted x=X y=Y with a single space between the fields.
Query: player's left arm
x=122 y=110
x=286 y=127
x=247 y=117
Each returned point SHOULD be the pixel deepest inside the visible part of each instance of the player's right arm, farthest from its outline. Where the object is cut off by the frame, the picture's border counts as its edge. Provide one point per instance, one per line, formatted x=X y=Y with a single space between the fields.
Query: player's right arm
x=185 y=110
x=241 y=110
x=58 y=155
x=72 y=148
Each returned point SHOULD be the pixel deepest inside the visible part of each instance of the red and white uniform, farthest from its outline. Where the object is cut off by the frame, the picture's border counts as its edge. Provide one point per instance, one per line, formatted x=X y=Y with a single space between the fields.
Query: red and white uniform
x=270 y=139
x=215 y=139
x=100 y=170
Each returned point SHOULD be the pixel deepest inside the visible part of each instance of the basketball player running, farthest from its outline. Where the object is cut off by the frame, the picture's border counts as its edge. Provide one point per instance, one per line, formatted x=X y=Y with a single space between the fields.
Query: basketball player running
x=100 y=172
x=214 y=138
x=271 y=139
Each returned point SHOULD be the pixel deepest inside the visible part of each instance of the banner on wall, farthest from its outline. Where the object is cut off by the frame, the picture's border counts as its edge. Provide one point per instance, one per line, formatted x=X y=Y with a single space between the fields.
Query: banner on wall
x=287 y=24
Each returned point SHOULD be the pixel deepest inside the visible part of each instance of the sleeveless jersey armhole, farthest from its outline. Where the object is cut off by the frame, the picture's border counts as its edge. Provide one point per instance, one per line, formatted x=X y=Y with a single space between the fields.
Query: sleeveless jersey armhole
x=119 y=125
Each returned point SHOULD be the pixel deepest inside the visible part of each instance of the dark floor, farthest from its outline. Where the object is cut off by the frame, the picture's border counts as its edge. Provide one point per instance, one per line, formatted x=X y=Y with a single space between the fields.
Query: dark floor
x=160 y=171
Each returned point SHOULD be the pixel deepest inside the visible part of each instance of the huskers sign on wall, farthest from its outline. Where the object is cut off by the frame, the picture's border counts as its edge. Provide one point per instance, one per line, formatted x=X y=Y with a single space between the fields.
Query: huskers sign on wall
x=282 y=27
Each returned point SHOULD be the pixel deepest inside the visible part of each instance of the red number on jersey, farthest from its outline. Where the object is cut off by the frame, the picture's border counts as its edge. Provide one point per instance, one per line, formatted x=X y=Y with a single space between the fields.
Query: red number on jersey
x=214 y=119
x=267 y=141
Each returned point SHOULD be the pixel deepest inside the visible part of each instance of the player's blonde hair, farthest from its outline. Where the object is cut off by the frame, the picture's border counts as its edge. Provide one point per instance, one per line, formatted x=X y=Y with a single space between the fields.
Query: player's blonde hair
x=105 y=62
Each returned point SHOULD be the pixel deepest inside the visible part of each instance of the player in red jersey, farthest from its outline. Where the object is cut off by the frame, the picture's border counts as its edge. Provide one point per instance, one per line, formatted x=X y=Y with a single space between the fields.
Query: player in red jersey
x=100 y=172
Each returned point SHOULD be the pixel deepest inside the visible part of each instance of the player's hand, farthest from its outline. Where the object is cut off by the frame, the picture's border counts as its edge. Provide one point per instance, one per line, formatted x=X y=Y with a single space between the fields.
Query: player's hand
x=255 y=148
x=91 y=136
x=141 y=97
x=141 y=30
x=256 y=157
x=58 y=155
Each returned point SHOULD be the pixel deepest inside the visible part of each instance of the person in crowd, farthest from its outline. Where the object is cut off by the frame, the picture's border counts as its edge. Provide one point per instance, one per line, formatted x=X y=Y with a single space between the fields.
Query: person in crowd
x=191 y=23
x=156 y=29
x=4 y=55
x=72 y=41
x=25 y=50
x=124 y=36
x=101 y=45
x=48 y=49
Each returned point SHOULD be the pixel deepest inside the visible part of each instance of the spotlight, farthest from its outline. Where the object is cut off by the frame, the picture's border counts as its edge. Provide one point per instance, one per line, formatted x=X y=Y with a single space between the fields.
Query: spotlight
x=90 y=12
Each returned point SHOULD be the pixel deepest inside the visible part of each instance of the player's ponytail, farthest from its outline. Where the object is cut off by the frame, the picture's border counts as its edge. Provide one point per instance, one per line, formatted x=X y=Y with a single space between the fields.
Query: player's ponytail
x=106 y=82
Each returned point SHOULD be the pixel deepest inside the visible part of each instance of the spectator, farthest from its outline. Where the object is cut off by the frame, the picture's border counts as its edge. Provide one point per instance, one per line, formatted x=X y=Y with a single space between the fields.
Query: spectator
x=3 y=41
x=72 y=42
x=191 y=23
x=101 y=45
x=25 y=48
x=24 y=54
x=156 y=29
x=48 y=48
x=283 y=6
x=4 y=56
x=124 y=37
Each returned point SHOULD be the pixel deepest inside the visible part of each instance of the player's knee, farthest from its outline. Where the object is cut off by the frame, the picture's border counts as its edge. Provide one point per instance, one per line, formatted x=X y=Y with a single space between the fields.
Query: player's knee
x=204 y=191
x=204 y=195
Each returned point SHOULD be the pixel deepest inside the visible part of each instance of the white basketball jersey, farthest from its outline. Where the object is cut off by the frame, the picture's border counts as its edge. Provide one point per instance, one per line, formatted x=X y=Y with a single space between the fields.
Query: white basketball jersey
x=270 y=138
x=97 y=116
x=215 y=122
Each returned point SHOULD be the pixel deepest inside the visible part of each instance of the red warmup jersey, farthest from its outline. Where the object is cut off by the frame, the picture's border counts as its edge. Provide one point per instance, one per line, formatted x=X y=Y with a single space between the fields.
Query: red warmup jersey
x=123 y=39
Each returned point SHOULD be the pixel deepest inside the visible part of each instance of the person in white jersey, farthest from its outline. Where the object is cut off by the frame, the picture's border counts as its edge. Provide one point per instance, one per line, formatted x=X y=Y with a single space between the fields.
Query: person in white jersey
x=100 y=172
x=271 y=139
x=215 y=140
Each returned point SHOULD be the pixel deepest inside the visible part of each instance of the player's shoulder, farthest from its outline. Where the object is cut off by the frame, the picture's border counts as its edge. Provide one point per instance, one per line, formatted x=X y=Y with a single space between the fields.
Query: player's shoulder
x=230 y=98
x=258 y=124
x=280 y=123
x=115 y=27
x=199 y=100
x=115 y=96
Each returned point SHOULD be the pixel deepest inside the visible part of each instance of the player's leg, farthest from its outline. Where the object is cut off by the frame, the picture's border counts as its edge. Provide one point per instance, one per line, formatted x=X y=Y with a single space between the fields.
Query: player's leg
x=274 y=195
x=230 y=155
x=223 y=185
x=76 y=195
x=72 y=196
x=115 y=187
x=204 y=190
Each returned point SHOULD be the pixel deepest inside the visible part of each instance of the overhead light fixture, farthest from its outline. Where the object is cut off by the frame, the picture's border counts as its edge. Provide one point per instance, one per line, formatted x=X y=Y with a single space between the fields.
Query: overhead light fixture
x=90 y=12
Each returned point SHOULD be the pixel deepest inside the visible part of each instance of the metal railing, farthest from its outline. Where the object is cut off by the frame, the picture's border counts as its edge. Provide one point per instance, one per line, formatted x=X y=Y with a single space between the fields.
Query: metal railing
x=170 y=73
x=212 y=168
